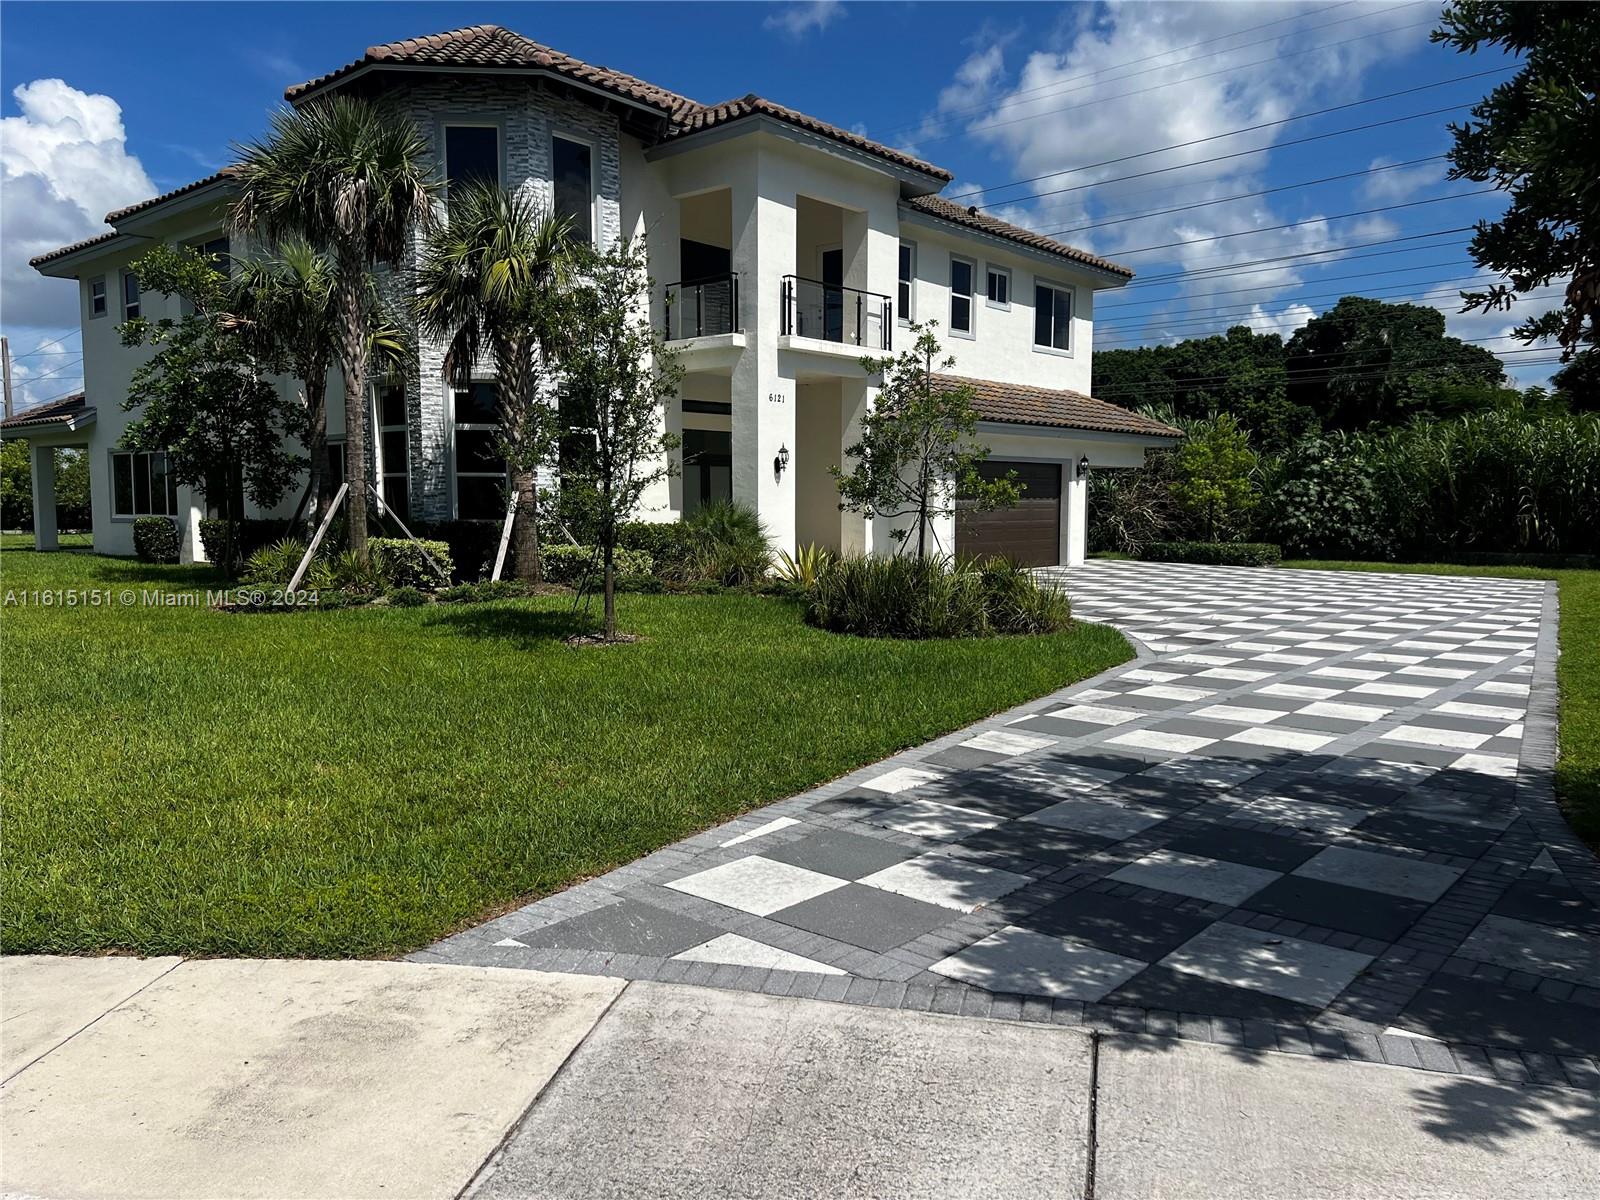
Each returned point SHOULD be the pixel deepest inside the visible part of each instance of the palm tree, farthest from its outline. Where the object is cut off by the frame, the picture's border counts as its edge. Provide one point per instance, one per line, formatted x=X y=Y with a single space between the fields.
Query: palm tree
x=489 y=281
x=355 y=179
x=289 y=303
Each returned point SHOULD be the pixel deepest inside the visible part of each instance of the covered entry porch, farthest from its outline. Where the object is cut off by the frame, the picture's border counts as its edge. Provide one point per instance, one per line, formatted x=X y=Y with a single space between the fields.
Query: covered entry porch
x=63 y=424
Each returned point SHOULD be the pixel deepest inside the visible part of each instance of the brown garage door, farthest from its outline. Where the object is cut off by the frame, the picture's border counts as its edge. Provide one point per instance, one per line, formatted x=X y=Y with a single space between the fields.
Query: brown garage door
x=1030 y=531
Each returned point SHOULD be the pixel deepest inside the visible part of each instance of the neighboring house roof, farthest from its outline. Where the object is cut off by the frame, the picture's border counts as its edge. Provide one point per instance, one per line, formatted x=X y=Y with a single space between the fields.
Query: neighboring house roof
x=712 y=115
x=69 y=411
x=1016 y=404
x=50 y=256
x=491 y=46
x=971 y=218
x=119 y=214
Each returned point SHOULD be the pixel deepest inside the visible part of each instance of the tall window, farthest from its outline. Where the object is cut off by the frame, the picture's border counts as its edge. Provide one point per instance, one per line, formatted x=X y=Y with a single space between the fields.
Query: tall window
x=572 y=170
x=908 y=272
x=480 y=470
x=393 y=448
x=97 y=296
x=130 y=295
x=471 y=154
x=217 y=251
x=961 y=274
x=707 y=468
x=335 y=466
x=142 y=485
x=1052 y=317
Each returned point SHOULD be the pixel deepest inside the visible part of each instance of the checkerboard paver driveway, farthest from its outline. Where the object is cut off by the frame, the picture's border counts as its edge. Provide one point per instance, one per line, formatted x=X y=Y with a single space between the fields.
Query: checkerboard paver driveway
x=1314 y=815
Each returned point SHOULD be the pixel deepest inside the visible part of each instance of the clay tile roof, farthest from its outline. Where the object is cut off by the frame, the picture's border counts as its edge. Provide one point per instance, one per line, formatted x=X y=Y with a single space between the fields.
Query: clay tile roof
x=493 y=46
x=118 y=214
x=709 y=116
x=958 y=214
x=1018 y=405
x=54 y=412
x=49 y=256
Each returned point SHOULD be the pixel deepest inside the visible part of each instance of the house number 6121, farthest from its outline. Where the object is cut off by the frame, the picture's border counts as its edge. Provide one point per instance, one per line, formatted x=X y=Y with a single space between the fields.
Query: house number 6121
x=775 y=397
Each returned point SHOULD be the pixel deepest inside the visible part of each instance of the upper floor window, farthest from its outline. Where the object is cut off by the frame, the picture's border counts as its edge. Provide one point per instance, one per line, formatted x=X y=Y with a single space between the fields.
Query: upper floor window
x=572 y=171
x=142 y=485
x=908 y=272
x=216 y=251
x=130 y=295
x=1052 y=317
x=97 y=296
x=472 y=154
x=998 y=288
x=962 y=272
x=479 y=467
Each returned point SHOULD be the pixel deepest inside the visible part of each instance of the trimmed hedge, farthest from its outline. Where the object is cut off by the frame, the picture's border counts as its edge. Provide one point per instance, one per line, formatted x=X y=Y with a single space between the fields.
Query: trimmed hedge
x=1216 y=554
x=156 y=539
x=249 y=536
x=569 y=564
x=933 y=598
x=403 y=565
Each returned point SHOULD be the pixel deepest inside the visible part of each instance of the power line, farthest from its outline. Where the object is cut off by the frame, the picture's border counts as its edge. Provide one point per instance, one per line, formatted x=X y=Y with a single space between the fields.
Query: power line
x=1163 y=212
x=1159 y=87
x=1317 y=112
x=1246 y=307
x=1364 y=212
x=56 y=371
x=1225 y=269
x=40 y=349
x=1101 y=307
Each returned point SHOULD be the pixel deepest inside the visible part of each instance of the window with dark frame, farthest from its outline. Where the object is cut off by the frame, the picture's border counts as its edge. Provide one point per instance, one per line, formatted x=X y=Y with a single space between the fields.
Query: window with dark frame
x=480 y=470
x=961 y=273
x=142 y=485
x=394 y=452
x=1052 y=317
x=471 y=154
x=130 y=296
x=908 y=273
x=707 y=468
x=572 y=171
x=97 y=296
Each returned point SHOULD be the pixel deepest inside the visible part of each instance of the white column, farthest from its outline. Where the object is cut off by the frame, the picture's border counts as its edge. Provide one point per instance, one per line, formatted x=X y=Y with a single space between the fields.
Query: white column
x=855 y=401
x=44 y=497
x=1075 y=518
x=191 y=508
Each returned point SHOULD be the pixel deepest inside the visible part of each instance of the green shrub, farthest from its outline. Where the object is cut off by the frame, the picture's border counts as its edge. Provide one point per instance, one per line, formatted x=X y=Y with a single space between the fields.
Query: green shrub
x=799 y=571
x=403 y=563
x=569 y=564
x=348 y=574
x=406 y=597
x=274 y=565
x=932 y=597
x=486 y=589
x=730 y=545
x=472 y=545
x=670 y=544
x=1225 y=554
x=249 y=536
x=156 y=539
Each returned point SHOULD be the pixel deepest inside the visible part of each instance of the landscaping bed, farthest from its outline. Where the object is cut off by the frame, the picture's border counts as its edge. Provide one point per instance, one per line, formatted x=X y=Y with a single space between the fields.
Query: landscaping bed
x=361 y=782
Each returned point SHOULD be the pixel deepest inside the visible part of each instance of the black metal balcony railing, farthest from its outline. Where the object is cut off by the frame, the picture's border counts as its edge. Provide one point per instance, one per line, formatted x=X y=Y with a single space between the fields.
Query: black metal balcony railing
x=832 y=312
x=703 y=307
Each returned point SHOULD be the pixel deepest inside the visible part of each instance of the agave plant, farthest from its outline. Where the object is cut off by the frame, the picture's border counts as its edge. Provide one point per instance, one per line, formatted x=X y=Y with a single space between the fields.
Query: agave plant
x=802 y=568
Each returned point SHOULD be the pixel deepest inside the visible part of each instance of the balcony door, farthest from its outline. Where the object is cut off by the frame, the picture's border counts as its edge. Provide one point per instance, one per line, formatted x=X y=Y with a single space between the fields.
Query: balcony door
x=706 y=294
x=832 y=265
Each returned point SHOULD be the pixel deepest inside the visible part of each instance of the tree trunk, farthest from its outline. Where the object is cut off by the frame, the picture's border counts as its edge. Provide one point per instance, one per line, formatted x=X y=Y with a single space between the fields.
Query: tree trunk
x=320 y=484
x=353 y=333
x=525 y=527
x=610 y=582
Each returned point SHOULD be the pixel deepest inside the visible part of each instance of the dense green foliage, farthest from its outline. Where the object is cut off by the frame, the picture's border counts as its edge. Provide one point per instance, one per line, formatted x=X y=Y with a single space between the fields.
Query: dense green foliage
x=156 y=540
x=933 y=597
x=1534 y=137
x=73 y=510
x=730 y=545
x=1213 y=477
x=246 y=537
x=1229 y=554
x=362 y=782
x=405 y=563
x=575 y=565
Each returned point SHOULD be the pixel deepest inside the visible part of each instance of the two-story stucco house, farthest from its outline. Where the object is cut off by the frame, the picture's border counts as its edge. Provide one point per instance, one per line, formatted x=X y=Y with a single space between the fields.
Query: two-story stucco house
x=784 y=248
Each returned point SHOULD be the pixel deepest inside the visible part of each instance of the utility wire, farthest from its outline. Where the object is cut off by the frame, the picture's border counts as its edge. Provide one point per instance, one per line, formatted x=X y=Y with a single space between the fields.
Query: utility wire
x=1226 y=269
x=55 y=371
x=42 y=346
x=1316 y=112
x=1126 y=305
x=1135 y=319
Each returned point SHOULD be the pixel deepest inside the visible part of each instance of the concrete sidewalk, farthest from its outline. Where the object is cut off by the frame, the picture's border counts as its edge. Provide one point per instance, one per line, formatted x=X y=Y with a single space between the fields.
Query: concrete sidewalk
x=163 y=1078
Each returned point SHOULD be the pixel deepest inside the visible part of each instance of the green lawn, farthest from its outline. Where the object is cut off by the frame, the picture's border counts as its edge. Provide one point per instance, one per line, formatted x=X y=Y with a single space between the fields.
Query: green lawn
x=1577 y=674
x=181 y=780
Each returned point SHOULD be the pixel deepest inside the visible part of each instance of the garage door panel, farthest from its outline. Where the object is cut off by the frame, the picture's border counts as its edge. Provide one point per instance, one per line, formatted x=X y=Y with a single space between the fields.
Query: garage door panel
x=1028 y=532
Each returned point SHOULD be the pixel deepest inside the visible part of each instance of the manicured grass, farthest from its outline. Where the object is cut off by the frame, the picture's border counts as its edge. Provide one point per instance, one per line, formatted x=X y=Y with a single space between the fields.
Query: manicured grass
x=182 y=780
x=1577 y=675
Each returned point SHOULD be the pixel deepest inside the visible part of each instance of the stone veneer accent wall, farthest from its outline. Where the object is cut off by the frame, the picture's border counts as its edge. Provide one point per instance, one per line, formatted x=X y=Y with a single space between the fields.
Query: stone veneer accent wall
x=528 y=116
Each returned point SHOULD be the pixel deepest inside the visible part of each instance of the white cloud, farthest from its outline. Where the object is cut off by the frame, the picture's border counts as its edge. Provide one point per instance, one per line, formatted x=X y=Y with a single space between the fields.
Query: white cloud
x=798 y=20
x=1284 y=322
x=1395 y=184
x=64 y=163
x=1063 y=108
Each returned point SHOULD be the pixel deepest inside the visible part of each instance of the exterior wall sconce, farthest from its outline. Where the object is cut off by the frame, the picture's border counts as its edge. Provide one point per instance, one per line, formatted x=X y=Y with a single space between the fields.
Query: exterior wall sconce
x=780 y=463
x=1083 y=467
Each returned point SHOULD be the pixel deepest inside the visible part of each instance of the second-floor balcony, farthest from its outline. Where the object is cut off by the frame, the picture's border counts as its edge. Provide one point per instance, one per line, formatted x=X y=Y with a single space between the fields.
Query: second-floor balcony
x=703 y=307
x=832 y=312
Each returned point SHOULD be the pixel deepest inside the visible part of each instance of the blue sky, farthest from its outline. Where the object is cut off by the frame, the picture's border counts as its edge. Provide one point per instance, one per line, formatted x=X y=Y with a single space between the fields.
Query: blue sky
x=150 y=96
